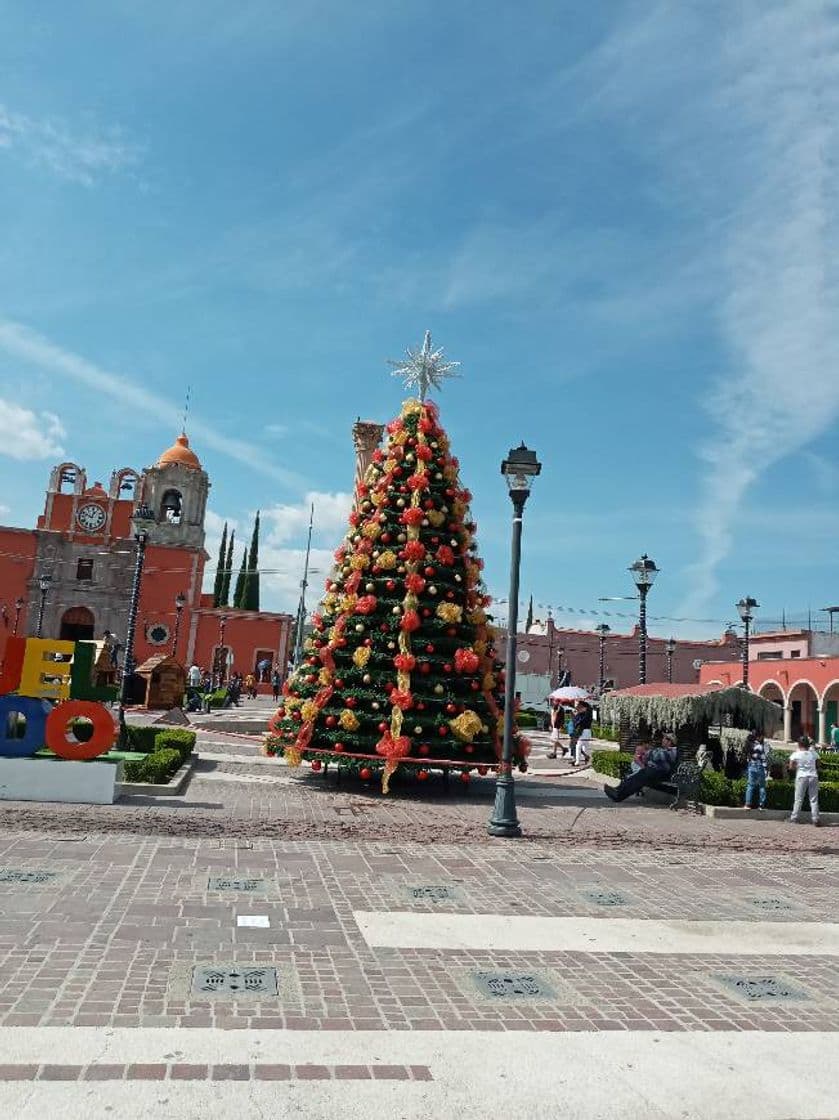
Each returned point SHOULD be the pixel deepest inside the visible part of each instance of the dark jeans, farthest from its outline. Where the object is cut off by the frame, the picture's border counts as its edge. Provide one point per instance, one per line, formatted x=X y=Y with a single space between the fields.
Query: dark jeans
x=646 y=776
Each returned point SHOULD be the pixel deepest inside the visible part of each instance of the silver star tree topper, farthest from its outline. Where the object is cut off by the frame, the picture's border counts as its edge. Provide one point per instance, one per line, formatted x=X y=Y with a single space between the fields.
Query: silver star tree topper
x=425 y=368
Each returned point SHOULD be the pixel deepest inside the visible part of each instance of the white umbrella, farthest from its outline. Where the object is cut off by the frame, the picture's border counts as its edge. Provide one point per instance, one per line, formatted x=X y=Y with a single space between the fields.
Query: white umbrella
x=570 y=692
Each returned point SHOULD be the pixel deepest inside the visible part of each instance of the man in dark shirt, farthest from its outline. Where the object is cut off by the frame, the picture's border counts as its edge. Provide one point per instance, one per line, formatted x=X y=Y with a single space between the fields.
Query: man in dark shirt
x=660 y=764
x=581 y=735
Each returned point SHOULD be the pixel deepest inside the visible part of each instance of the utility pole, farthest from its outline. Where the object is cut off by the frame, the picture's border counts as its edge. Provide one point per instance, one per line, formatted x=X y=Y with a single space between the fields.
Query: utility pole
x=301 y=606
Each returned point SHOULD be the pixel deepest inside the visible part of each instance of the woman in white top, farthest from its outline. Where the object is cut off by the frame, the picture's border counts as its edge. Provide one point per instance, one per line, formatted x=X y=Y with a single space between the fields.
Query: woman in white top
x=805 y=763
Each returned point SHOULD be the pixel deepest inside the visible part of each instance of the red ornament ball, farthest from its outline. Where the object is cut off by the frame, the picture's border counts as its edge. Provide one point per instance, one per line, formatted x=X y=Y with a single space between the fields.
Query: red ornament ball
x=442 y=731
x=385 y=538
x=465 y=776
x=429 y=571
x=469 y=750
x=339 y=684
x=316 y=764
x=452 y=709
x=475 y=686
x=422 y=775
x=331 y=721
x=451 y=631
x=429 y=648
x=365 y=773
x=424 y=748
x=426 y=613
x=425 y=668
x=447 y=668
x=391 y=585
x=350 y=702
x=339 y=748
x=383 y=727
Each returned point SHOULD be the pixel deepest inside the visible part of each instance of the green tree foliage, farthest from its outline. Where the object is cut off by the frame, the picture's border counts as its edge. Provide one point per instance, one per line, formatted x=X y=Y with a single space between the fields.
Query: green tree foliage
x=224 y=598
x=241 y=583
x=218 y=586
x=250 y=594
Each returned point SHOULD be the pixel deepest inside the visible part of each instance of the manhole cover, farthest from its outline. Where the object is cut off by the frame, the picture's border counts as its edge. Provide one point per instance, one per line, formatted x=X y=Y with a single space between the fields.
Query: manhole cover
x=769 y=988
x=225 y=883
x=606 y=897
x=771 y=904
x=434 y=892
x=11 y=875
x=235 y=981
x=516 y=986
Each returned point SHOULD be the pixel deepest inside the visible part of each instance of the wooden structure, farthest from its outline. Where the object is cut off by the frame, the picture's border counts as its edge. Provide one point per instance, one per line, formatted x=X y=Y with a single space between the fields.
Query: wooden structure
x=165 y=682
x=688 y=710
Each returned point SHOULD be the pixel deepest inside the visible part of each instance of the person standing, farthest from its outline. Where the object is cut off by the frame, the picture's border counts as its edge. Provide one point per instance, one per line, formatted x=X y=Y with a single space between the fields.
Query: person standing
x=276 y=683
x=557 y=726
x=194 y=676
x=757 y=770
x=805 y=763
x=583 y=719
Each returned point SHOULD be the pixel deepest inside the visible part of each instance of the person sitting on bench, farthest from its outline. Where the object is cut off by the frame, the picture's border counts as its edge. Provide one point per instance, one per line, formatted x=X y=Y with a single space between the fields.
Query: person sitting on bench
x=658 y=766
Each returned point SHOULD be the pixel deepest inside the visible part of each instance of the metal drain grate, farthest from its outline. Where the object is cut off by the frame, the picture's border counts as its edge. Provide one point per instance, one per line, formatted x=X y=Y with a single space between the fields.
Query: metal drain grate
x=771 y=904
x=12 y=875
x=225 y=883
x=235 y=981
x=434 y=892
x=769 y=988
x=514 y=986
x=606 y=897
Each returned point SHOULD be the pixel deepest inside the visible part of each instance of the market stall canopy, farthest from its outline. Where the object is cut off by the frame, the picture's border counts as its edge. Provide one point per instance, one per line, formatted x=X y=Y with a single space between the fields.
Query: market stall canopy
x=673 y=706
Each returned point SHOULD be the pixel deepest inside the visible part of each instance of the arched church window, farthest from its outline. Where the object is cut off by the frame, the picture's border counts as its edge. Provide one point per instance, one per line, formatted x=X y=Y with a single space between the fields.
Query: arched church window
x=128 y=484
x=171 y=507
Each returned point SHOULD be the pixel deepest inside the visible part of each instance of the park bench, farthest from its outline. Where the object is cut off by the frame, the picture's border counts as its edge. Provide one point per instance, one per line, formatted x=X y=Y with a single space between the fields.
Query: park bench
x=683 y=783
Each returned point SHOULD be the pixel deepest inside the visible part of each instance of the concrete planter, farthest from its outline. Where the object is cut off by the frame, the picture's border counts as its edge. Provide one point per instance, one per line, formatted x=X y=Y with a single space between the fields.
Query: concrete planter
x=153 y=789
x=45 y=779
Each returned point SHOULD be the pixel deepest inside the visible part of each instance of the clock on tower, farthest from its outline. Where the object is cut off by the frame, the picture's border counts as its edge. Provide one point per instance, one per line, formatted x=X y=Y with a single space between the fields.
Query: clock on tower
x=91 y=517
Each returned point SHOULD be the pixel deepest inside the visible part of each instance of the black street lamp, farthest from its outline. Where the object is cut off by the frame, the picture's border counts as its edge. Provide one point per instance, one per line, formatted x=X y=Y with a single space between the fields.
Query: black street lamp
x=644 y=572
x=746 y=607
x=19 y=605
x=44 y=582
x=222 y=623
x=180 y=603
x=141 y=519
x=670 y=649
x=519 y=468
x=603 y=629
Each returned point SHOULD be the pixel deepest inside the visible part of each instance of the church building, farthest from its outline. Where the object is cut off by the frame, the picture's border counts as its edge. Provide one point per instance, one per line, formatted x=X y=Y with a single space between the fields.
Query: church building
x=70 y=577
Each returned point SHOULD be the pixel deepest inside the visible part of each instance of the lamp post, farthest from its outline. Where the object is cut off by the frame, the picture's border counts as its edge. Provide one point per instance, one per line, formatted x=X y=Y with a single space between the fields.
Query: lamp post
x=519 y=468
x=643 y=572
x=670 y=649
x=19 y=605
x=43 y=586
x=603 y=629
x=297 y=651
x=222 y=623
x=141 y=519
x=180 y=603
x=746 y=607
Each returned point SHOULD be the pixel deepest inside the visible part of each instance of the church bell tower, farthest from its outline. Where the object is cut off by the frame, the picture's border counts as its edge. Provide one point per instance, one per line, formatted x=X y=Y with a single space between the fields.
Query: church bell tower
x=176 y=490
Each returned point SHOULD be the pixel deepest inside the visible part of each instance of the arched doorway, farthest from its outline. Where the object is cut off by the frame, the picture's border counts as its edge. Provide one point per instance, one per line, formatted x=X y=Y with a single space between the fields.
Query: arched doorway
x=77 y=625
x=804 y=702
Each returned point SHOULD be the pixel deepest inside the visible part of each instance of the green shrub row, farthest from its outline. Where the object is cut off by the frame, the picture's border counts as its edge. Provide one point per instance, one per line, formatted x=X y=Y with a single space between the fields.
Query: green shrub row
x=148 y=738
x=716 y=789
x=156 y=768
x=610 y=763
x=610 y=734
x=526 y=719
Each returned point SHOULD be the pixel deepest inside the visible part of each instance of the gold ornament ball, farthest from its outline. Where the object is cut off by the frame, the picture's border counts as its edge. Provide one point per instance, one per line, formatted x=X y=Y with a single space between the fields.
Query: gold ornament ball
x=396 y=610
x=391 y=645
x=400 y=502
x=418 y=730
x=438 y=688
x=369 y=587
x=366 y=678
x=375 y=705
x=424 y=522
x=359 y=628
x=401 y=569
x=401 y=538
x=453 y=542
x=458 y=579
x=432 y=590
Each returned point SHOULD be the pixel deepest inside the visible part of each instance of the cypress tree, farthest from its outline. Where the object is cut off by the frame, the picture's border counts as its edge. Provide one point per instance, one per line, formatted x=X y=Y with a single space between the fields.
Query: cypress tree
x=251 y=593
x=224 y=597
x=241 y=583
x=529 y=621
x=218 y=586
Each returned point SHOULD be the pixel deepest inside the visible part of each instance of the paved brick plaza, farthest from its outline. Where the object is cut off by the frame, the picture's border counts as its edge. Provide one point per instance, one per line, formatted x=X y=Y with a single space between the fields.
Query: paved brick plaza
x=112 y=919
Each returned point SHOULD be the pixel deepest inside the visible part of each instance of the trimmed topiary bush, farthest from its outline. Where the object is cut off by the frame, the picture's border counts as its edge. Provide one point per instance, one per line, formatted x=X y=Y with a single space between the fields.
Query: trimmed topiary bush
x=157 y=768
x=178 y=739
x=611 y=763
x=142 y=738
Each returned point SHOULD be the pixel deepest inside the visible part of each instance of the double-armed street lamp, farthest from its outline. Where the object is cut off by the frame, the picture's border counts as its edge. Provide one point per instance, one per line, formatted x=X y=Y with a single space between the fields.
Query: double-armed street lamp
x=643 y=571
x=141 y=519
x=746 y=607
x=602 y=630
x=670 y=649
x=44 y=582
x=180 y=603
x=519 y=468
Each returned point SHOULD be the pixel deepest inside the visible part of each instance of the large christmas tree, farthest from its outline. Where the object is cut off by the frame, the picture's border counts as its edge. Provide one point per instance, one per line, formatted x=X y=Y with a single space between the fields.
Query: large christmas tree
x=401 y=664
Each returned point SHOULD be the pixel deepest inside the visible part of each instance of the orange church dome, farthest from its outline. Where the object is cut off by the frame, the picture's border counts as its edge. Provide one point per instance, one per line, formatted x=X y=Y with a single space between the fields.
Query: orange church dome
x=181 y=454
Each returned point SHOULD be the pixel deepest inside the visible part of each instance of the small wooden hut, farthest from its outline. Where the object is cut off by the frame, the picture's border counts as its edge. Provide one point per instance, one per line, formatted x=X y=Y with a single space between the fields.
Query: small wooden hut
x=165 y=682
x=693 y=711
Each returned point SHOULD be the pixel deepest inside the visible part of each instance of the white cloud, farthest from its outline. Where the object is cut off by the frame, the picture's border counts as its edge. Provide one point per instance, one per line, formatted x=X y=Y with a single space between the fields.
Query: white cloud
x=282 y=547
x=73 y=156
x=27 y=345
x=26 y=435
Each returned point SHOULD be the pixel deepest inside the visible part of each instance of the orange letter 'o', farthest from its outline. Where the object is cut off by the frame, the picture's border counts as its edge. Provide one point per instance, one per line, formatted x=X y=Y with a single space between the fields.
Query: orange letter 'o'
x=104 y=730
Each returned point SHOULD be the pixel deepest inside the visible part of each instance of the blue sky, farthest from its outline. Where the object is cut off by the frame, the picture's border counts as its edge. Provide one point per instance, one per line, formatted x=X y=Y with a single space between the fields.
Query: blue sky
x=620 y=218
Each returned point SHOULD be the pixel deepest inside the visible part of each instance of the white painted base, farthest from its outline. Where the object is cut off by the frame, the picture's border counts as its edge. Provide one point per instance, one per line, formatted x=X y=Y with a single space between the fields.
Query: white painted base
x=40 y=779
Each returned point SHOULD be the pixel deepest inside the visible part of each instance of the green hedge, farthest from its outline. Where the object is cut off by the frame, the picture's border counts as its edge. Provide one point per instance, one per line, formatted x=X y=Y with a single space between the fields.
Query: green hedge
x=151 y=737
x=610 y=763
x=716 y=789
x=611 y=734
x=526 y=719
x=157 y=768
